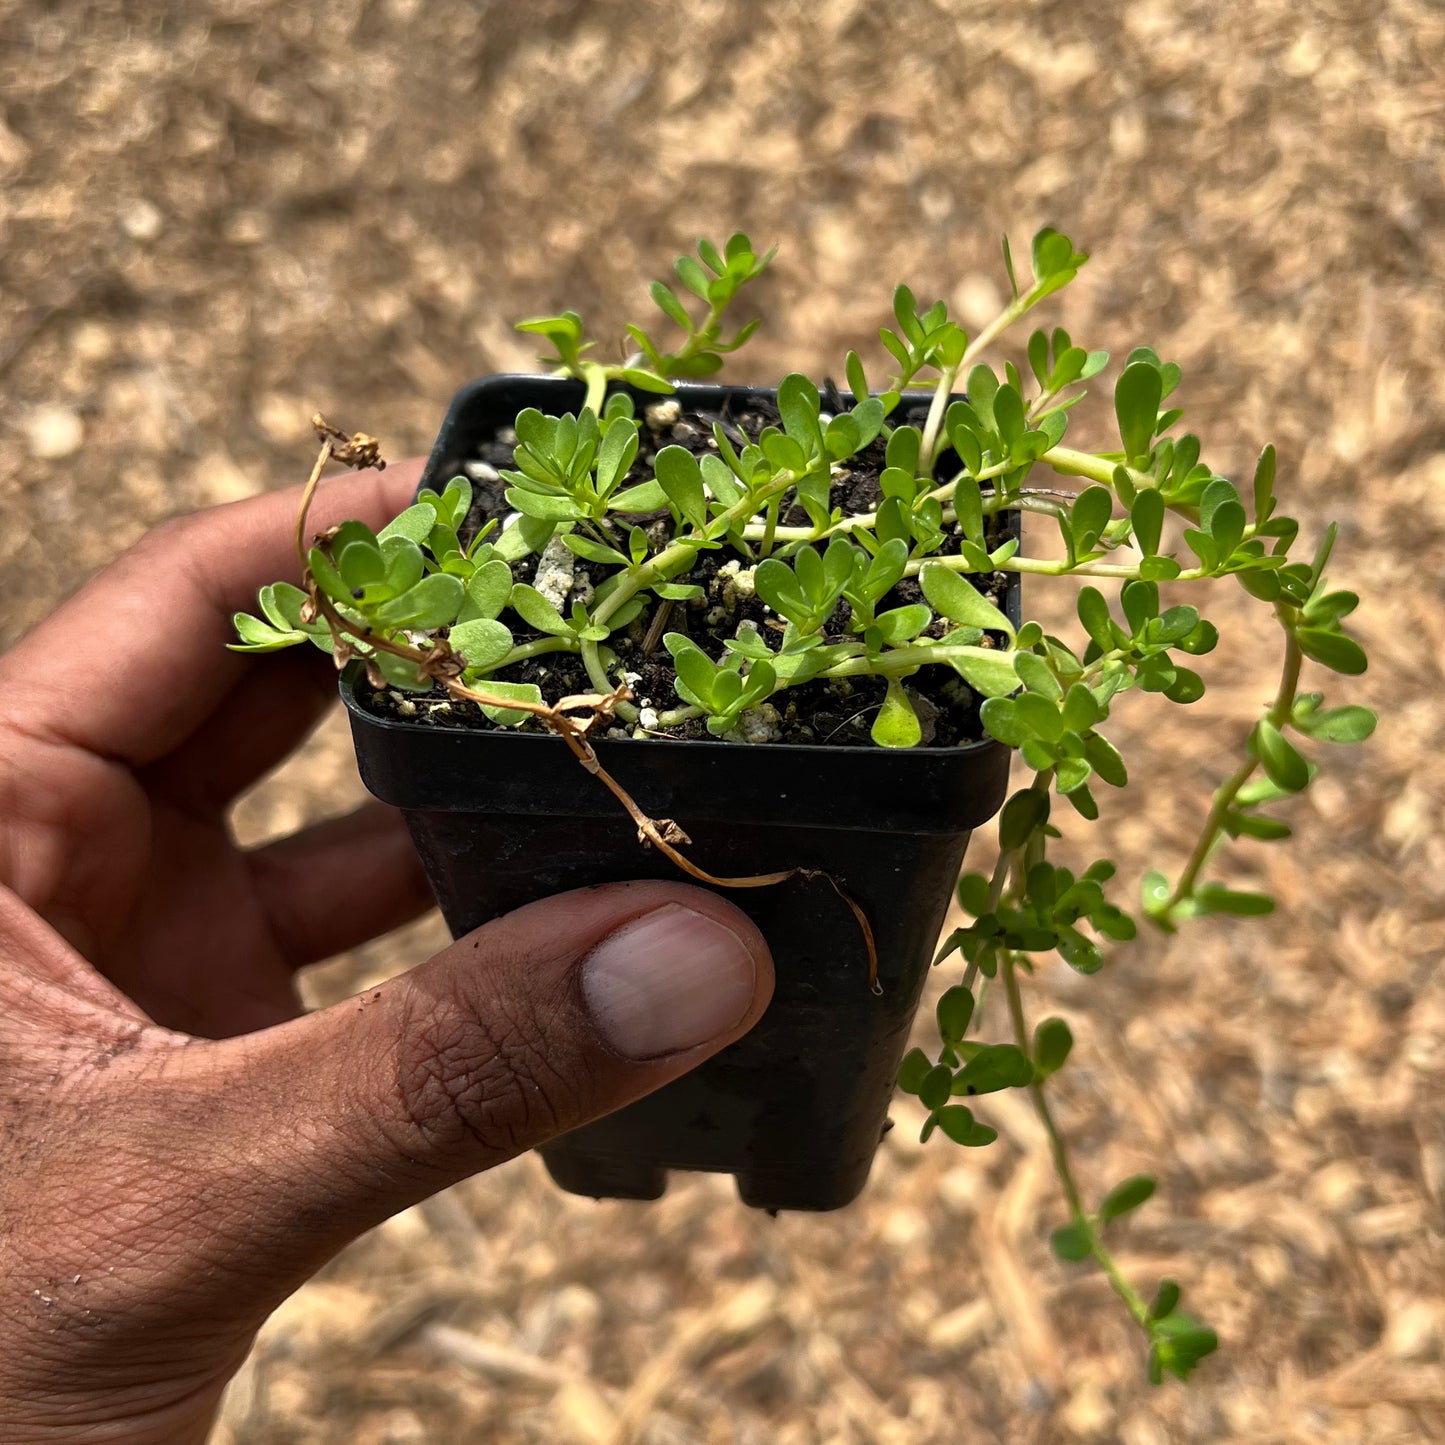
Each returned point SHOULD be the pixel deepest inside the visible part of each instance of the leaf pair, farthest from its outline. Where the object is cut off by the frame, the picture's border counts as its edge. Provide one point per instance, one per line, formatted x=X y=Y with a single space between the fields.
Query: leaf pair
x=280 y=624
x=720 y=691
x=808 y=592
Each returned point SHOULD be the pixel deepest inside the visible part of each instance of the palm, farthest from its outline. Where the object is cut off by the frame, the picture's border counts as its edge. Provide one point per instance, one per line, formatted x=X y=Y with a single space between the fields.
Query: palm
x=113 y=820
x=197 y=948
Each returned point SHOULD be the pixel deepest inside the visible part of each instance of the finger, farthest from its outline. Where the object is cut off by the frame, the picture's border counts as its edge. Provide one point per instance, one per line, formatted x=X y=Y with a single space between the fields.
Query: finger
x=549 y=1017
x=340 y=884
x=134 y=662
x=257 y=725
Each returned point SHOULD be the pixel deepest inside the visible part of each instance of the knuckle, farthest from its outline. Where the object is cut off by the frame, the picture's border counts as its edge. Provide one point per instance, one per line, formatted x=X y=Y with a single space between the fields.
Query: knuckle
x=471 y=1077
x=165 y=537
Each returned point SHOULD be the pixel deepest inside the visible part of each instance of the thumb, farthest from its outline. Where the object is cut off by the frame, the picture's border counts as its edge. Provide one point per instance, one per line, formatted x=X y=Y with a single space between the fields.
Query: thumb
x=534 y=1024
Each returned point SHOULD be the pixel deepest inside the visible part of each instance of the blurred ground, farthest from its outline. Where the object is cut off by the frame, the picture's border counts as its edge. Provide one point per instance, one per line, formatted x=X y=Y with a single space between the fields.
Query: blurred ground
x=216 y=218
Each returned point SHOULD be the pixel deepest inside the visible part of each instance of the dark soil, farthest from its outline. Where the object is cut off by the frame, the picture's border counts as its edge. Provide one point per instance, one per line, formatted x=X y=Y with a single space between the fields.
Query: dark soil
x=837 y=712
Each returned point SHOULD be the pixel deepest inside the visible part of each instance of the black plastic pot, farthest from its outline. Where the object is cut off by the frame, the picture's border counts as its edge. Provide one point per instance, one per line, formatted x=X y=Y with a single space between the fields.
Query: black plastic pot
x=796 y=1109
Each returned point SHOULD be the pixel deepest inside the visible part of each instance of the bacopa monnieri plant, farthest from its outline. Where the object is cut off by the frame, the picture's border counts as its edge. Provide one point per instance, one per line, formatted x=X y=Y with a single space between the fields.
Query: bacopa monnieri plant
x=811 y=568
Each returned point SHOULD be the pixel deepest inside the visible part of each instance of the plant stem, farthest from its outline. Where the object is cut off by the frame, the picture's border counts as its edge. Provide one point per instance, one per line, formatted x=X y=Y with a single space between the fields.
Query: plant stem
x=596 y=378
x=1279 y=713
x=542 y=645
x=1058 y=1151
x=1042 y=567
x=632 y=582
x=1030 y=500
x=928 y=451
x=1070 y=463
x=770 y=528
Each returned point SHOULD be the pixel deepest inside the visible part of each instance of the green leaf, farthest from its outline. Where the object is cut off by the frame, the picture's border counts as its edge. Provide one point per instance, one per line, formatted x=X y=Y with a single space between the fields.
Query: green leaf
x=936 y=1085
x=901 y=624
x=543 y=505
x=1264 y=484
x=896 y=725
x=680 y=478
x=594 y=551
x=1126 y=1196
x=958 y=1123
x=1333 y=650
x=1027 y=810
x=1089 y=515
x=481 y=643
x=779 y=587
x=488 y=590
x=1351 y=724
x=1250 y=825
x=1136 y=404
x=1154 y=892
x=1081 y=710
x=1008 y=414
x=401 y=672
x=955 y=1010
x=1104 y=758
x=1070 y=1242
x=537 y=612
x=1180 y=1343
x=414 y=524
x=1001 y=719
x=1165 y=1299
x=405 y=566
x=992 y=1068
x=360 y=564
x=696 y=672
x=1159 y=569
x=1147 y=516
x=951 y=596
x=989 y=673
x=1040 y=715
x=666 y=299
x=259 y=636
x=1052 y=1041
x=1227 y=528
x=798 y=405
x=645 y=497
x=1141 y=602
x=1008 y=265
x=519 y=538
x=1037 y=675
x=432 y=603
x=1094 y=614
x=1215 y=898
x=616 y=454
x=843 y=437
x=1186 y=687
x=521 y=691
x=913 y=1071
x=328 y=579
x=1072 y=773
x=1282 y=762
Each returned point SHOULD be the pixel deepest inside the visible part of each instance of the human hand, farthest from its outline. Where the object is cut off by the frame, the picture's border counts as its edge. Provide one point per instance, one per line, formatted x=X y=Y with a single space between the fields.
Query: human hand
x=179 y=1147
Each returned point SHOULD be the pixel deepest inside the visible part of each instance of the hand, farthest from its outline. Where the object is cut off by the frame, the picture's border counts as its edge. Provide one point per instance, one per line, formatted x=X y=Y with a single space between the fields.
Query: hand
x=179 y=1147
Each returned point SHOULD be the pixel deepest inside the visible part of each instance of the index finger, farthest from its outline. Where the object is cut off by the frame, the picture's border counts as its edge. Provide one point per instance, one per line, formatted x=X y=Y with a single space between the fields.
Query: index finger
x=131 y=664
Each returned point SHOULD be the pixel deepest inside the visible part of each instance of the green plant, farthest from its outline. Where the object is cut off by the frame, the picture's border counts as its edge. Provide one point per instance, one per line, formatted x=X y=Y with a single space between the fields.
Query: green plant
x=425 y=606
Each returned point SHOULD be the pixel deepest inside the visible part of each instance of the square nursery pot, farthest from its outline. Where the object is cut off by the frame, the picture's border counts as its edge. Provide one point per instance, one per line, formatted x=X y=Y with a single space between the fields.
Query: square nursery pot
x=796 y=1109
